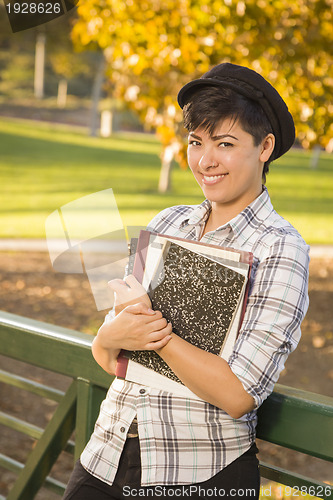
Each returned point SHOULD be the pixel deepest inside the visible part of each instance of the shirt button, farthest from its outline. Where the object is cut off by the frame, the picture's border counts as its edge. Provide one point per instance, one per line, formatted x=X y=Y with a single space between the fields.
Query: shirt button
x=122 y=429
x=142 y=391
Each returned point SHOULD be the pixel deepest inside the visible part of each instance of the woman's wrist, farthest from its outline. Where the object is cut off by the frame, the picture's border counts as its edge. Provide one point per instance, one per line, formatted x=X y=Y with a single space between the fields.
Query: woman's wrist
x=105 y=339
x=106 y=358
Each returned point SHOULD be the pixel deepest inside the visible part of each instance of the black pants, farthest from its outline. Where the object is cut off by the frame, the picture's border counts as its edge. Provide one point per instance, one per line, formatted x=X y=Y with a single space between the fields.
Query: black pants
x=237 y=481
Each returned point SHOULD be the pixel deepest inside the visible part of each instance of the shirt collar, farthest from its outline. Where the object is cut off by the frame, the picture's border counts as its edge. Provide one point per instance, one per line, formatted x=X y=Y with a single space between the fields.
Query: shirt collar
x=198 y=215
x=244 y=224
x=248 y=221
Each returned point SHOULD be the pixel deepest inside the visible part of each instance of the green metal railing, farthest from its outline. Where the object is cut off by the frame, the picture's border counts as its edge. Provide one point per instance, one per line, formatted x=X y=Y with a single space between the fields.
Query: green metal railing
x=292 y=418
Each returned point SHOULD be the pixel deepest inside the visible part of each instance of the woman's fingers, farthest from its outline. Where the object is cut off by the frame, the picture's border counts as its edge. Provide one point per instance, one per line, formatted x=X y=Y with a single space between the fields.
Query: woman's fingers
x=158 y=344
x=145 y=309
x=132 y=282
x=117 y=285
x=142 y=308
x=157 y=335
x=157 y=325
x=128 y=283
x=128 y=291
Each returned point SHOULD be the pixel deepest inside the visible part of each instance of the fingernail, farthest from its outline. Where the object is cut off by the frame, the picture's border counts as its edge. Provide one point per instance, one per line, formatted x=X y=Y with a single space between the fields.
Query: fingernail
x=151 y=311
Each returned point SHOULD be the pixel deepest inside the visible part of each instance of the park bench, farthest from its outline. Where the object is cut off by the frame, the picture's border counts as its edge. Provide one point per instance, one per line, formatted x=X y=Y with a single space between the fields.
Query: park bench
x=291 y=418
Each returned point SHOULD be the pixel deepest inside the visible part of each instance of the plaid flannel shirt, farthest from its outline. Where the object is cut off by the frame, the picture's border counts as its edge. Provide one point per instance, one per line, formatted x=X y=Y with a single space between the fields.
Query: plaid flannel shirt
x=186 y=441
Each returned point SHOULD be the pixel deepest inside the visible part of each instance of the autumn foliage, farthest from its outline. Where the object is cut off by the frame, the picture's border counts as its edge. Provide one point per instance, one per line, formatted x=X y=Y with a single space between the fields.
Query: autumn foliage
x=153 y=47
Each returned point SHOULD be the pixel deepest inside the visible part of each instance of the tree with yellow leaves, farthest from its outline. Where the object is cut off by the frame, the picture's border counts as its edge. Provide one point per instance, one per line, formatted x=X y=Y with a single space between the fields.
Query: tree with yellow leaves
x=153 y=47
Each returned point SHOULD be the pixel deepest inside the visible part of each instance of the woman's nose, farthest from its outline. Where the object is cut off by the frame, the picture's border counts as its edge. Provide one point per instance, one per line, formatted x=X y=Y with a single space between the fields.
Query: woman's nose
x=207 y=161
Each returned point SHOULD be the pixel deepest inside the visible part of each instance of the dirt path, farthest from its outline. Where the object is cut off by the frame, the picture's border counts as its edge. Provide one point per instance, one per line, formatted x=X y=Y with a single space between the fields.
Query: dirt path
x=29 y=287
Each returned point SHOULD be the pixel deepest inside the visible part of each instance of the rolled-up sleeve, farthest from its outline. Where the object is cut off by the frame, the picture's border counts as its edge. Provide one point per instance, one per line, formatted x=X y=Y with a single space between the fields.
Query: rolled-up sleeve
x=277 y=304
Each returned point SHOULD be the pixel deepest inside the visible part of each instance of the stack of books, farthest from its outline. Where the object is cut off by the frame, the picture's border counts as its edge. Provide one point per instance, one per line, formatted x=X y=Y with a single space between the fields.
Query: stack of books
x=200 y=288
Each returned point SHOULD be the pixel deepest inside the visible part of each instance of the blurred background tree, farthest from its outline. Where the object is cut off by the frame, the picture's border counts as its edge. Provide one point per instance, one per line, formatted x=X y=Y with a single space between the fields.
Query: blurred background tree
x=17 y=55
x=153 y=47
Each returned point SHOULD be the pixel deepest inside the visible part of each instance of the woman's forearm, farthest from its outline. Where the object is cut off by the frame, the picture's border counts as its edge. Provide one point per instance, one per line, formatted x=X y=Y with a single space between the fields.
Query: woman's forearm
x=208 y=376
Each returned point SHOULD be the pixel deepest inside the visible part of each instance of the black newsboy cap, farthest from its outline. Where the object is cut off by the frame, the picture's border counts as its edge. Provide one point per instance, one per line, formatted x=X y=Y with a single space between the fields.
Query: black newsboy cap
x=247 y=82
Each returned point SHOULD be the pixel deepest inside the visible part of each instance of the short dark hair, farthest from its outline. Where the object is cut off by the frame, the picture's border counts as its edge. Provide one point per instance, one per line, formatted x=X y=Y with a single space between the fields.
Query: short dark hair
x=208 y=106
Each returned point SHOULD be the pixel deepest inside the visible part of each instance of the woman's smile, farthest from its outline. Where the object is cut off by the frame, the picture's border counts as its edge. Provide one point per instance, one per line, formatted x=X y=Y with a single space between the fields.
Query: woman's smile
x=212 y=179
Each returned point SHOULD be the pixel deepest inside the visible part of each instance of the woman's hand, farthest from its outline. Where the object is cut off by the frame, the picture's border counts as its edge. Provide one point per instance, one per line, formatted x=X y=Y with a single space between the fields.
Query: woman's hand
x=136 y=327
x=127 y=292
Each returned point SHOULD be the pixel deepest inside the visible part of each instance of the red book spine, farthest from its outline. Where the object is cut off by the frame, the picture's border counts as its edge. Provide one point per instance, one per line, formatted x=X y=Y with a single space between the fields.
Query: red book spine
x=122 y=362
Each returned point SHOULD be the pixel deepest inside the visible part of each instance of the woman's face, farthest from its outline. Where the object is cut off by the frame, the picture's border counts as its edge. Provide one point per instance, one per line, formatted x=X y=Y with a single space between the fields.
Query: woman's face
x=227 y=165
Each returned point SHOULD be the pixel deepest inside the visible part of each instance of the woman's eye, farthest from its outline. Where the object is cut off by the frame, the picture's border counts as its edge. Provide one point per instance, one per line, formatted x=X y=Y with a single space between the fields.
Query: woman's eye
x=194 y=143
x=225 y=144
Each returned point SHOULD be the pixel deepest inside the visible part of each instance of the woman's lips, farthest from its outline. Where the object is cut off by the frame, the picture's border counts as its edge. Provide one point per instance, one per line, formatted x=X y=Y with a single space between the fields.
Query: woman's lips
x=212 y=179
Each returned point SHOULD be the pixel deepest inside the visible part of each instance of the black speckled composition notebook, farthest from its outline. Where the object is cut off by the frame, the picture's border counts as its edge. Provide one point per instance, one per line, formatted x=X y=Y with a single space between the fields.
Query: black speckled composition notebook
x=198 y=294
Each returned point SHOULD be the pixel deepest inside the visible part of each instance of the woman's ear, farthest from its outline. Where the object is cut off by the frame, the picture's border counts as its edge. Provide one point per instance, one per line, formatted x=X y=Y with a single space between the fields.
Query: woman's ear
x=267 y=147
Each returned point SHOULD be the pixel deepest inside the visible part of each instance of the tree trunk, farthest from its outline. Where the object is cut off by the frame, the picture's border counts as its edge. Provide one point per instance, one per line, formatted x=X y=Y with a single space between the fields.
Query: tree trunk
x=164 y=183
x=62 y=94
x=39 y=66
x=315 y=157
x=96 y=95
x=167 y=156
x=106 y=123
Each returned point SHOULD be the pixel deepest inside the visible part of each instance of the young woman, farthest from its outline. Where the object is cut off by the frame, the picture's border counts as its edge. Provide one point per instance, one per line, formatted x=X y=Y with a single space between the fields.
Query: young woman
x=153 y=443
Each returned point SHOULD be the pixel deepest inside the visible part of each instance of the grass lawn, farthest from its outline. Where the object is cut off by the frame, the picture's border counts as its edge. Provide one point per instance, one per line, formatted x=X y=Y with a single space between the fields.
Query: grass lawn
x=43 y=167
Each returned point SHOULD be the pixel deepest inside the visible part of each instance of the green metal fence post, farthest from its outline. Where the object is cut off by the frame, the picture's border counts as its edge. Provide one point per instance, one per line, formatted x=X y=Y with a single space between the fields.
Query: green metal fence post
x=47 y=449
x=89 y=400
